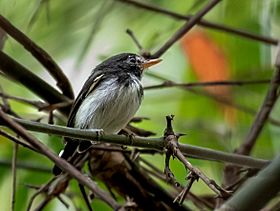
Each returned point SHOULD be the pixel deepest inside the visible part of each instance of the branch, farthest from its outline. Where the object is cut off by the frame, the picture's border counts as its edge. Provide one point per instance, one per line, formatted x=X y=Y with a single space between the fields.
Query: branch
x=264 y=112
x=35 y=103
x=185 y=28
x=168 y=84
x=257 y=191
x=14 y=176
x=38 y=86
x=61 y=163
x=171 y=144
x=27 y=166
x=156 y=143
x=216 y=98
x=42 y=56
x=16 y=140
x=207 y=24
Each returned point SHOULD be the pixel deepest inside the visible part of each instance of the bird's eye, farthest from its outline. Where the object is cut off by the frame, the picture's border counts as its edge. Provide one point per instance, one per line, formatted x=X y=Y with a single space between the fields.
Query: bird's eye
x=132 y=60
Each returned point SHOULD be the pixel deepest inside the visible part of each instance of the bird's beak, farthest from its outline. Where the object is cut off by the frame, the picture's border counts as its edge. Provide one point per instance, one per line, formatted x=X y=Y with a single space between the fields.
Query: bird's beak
x=150 y=62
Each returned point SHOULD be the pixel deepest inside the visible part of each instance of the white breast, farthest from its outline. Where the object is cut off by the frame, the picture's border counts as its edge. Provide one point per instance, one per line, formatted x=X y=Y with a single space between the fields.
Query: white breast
x=109 y=107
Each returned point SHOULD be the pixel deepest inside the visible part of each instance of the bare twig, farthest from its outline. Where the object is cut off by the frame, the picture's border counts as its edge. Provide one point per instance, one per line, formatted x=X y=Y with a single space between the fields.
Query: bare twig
x=264 y=112
x=38 y=8
x=6 y=106
x=14 y=176
x=185 y=28
x=27 y=166
x=16 y=140
x=167 y=84
x=40 y=190
x=35 y=84
x=3 y=37
x=35 y=103
x=133 y=37
x=217 y=98
x=41 y=55
x=192 y=177
x=63 y=202
x=202 y=22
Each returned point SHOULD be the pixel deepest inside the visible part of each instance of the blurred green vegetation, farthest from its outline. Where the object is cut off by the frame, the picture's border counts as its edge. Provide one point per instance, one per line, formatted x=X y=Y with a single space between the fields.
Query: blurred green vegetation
x=62 y=28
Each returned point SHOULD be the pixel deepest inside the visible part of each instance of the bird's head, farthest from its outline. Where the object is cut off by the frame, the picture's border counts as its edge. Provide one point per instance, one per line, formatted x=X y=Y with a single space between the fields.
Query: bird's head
x=128 y=62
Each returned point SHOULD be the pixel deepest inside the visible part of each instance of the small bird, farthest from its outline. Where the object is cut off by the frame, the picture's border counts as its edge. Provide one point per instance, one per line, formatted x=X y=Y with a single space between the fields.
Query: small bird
x=108 y=100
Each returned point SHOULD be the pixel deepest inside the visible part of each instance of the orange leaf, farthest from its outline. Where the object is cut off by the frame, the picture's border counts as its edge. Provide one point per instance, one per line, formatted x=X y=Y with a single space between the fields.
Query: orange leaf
x=209 y=63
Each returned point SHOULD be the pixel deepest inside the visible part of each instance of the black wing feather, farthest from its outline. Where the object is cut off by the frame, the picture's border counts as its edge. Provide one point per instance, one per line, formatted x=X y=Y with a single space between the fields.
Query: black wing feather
x=72 y=144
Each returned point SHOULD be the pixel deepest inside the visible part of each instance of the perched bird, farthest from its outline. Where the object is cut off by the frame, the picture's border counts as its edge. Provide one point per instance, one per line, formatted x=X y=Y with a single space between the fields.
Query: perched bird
x=108 y=100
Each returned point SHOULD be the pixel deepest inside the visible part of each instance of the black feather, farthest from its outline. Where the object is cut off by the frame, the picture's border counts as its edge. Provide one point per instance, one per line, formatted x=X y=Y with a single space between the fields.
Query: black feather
x=112 y=67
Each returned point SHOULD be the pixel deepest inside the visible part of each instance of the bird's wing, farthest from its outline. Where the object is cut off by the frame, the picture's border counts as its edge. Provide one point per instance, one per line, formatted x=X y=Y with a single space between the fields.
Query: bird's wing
x=72 y=144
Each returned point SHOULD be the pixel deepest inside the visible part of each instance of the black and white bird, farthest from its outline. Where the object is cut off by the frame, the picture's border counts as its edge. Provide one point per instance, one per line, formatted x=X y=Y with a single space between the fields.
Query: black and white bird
x=108 y=100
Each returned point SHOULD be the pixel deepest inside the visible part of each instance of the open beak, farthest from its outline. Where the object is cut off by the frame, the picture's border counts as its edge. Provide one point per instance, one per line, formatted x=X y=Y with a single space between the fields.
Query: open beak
x=150 y=62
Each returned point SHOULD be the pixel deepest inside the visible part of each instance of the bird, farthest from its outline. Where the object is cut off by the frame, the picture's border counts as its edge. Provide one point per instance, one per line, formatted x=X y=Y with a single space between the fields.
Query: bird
x=108 y=100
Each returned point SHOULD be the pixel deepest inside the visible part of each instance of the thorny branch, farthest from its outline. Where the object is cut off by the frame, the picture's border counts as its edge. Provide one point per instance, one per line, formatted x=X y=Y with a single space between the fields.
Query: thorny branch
x=185 y=28
x=171 y=145
x=153 y=170
x=41 y=55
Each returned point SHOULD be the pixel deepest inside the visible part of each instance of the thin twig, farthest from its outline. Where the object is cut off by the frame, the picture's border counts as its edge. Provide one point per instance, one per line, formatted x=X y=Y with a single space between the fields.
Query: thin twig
x=14 y=176
x=3 y=38
x=167 y=84
x=16 y=140
x=17 y=72
x=63 y=202
x=27 y=166
x=210 y=183
x=40 y=190
x=133 y=37
x=41 y=55
x=263 y=113
x=182 y=195
x=35 y=103
x=178 y=187
x=6 y=106
x=38 y=8
x=185 y=28
x=219 y=99
x=202 y=22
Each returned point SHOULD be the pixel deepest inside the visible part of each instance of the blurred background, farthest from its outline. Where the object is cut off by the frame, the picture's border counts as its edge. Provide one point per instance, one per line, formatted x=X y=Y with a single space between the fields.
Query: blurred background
x=80 y=34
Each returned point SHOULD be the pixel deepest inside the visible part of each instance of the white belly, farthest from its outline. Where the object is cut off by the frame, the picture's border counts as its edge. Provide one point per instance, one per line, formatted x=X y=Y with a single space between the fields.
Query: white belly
x=111 y=109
